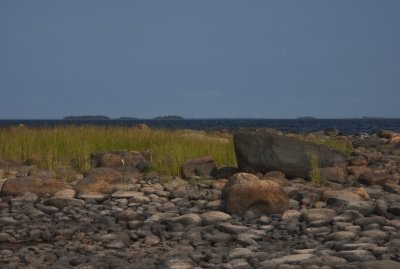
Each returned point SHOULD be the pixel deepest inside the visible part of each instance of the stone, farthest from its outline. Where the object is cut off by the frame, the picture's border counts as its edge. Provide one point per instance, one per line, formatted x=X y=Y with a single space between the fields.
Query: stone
x=183 y=222
x=383 y=264
x=225 y=172
x=356 y=255
x=199 y=167
x=317 y=214
x=115 y=159
x=61 y=202
x=394 y=208
x=388 y=134
x=295 y=258
x=264 y=151
x=99 y=180
x=42 y=187
x=373 y=178
x=290 y=215
x=363 y=222
x=357 y=161
x=212 y=217
x=246 y=192
x=67 y=193
x=331 y=132
x=335 y=174
x=357 y=171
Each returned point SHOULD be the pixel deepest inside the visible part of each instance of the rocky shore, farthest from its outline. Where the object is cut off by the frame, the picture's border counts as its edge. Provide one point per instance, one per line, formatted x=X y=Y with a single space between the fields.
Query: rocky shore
x=264 y=214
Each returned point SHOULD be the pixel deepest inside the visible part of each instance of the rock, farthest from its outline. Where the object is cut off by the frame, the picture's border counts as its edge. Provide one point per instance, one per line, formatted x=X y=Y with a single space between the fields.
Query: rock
x=331 y=132
x=341 y=236
x=201 y=167
x=318 y=214
x=383 y=264
x=296 y=258
x=61 y=202
x=212 y=217
x=363 y=222
x=358 y=170
x=394 y=208
x=219 y=184
x=356 y=255
x=290 y=215
x=67 y=193
x=99 y=180
x=357 y=161
x=41 y=187
x=393 y=188
x=225 y=172
x=183 y=222
x=263 y=152
x=373 y=178
x=335 y=174
x=119 y=159
x=387 y=134
x=246 y=192
x=26 y=197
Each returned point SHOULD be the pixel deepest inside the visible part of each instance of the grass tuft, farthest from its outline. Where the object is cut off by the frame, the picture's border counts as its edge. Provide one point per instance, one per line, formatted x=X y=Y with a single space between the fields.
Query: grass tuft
x=315 y=173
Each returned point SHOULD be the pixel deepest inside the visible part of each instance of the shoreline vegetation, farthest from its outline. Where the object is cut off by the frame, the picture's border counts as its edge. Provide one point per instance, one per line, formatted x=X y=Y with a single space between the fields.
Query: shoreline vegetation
x=71 y=146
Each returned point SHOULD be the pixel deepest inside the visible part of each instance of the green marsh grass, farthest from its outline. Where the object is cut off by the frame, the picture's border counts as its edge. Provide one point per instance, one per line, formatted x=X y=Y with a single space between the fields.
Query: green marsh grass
x=57 y=147
x=315 y=173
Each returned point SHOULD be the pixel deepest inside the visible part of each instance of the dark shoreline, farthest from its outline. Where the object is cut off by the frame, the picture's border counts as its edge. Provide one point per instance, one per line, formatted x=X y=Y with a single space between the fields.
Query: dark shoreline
x=345 y=126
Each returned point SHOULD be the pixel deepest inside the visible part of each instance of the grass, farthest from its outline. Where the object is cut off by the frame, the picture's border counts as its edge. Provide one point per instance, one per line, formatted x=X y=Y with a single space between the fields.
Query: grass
x=315 y=173
x=61 y=146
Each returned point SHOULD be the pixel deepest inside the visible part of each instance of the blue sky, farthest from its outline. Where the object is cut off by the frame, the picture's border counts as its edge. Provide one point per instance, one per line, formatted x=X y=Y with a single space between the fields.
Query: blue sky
x=199 y=59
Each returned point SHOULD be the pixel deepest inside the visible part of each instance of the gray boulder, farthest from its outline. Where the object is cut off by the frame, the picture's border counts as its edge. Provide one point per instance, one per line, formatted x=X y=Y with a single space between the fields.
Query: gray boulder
x=265 y=151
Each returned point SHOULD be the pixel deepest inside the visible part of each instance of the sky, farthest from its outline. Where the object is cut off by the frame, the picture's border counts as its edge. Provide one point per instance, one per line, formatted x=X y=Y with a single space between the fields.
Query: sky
x=199 y=59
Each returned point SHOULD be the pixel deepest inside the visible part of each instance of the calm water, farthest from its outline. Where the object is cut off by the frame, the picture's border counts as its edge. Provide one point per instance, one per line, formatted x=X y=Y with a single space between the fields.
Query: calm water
x=346 y=126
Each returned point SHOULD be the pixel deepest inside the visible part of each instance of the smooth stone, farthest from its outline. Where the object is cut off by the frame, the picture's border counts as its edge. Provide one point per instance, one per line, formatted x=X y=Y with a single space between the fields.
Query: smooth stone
x=318 y=214
x=126 y=194
x=230 y=228
x=240 y=253
x=27 y=197
x=290 y=215
x=296 y=258
x=342 y=235
x=67 y=193
x=375 y=234
x=62 y=202
x=363 y=222
x=383 y=264
x=211 y=217
x=356 y=255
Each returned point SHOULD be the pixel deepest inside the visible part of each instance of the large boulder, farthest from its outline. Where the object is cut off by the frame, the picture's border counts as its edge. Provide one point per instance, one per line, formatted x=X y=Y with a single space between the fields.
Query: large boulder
x=43 y=187
x=202 y=167
x=265 y=151
x=116 y=159
x=246 y=192
x=100 y=180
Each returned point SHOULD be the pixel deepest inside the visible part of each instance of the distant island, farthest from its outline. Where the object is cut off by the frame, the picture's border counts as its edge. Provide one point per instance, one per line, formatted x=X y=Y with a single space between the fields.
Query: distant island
x=126 y=118
x=306 y=118
x=372 y=118
x=87 y=117
x=168 y=118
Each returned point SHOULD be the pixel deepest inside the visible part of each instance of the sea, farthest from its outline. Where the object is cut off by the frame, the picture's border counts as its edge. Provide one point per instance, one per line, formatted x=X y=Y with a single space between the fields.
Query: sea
x=345 y=126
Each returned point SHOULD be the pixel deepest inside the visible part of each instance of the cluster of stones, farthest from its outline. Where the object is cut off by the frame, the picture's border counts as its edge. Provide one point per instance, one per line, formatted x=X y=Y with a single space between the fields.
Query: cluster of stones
x=119 y=216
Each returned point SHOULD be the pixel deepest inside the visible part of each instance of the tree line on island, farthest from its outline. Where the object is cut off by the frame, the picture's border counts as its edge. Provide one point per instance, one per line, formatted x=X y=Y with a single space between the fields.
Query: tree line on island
x=101 y=117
